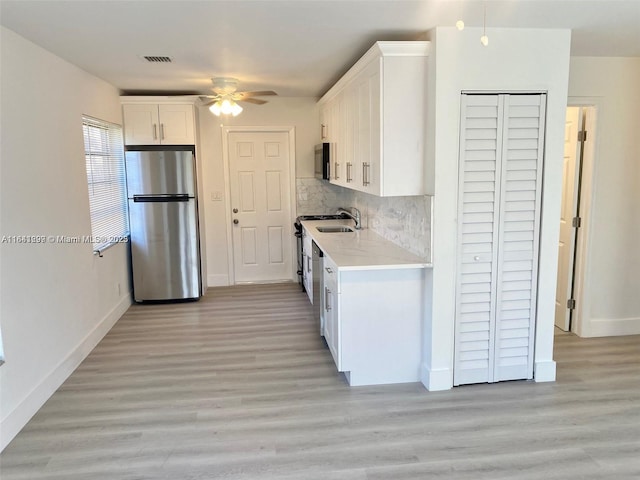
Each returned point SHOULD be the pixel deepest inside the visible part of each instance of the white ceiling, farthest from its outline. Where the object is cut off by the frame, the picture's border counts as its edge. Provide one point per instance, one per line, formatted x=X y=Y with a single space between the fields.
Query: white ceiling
x=298 y=48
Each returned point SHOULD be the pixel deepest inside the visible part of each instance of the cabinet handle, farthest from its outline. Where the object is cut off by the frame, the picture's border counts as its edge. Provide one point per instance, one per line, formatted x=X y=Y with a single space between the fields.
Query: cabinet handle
x=323 y=133
x=349 y=173
x=366 y=170
x=328 y=270
x=336 y=164
x=155 y=131
x=327 y=294
x=308 y=264
x=162 y=131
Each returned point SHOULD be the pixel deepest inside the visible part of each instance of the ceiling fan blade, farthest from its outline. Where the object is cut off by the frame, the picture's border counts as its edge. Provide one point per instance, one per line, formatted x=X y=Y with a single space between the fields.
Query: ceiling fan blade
x=263 y=93
x=257 y=101
x=208 y=104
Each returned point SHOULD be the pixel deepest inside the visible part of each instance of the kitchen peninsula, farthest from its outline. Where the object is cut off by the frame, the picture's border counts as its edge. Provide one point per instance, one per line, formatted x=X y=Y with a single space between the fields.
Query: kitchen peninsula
x=372 y=303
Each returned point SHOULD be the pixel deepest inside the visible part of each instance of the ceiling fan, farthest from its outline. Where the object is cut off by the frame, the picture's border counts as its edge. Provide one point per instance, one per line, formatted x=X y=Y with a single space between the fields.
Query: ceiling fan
x=226 y=95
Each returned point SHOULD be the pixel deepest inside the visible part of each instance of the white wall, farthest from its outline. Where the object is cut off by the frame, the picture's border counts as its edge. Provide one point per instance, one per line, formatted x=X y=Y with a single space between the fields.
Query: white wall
x=301 y=113
x=515 y=60
x=611 y=303
x=57 y=301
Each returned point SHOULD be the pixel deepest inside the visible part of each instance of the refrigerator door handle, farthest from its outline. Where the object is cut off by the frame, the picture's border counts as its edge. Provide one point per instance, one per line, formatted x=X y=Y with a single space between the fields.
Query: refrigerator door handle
x=161 y=198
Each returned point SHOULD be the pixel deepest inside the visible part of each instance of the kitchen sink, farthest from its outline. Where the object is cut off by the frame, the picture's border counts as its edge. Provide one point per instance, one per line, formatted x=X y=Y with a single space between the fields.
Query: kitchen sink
x=334 y=229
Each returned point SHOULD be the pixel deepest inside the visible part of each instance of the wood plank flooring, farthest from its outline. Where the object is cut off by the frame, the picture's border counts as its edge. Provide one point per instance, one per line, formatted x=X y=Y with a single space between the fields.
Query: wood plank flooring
x=241 y=386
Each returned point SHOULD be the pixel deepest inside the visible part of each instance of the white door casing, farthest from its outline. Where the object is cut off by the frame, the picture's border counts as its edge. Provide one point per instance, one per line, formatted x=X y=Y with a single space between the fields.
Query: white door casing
x=566 y=244
x=501 y=152
x=260 y=168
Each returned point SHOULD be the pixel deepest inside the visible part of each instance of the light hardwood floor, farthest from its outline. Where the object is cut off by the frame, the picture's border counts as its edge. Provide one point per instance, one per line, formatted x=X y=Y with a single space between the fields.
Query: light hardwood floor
x=241 y=386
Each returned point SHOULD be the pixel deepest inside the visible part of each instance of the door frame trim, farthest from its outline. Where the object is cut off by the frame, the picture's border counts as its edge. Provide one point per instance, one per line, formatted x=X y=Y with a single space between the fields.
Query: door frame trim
x=581 y=324
x=226 y=130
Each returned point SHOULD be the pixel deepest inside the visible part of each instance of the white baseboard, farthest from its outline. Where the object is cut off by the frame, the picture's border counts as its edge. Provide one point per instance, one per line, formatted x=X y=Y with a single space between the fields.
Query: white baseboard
x=217 y=280
x=436 y=379
x=20 y=416
x=612 y=327
x=544 y=371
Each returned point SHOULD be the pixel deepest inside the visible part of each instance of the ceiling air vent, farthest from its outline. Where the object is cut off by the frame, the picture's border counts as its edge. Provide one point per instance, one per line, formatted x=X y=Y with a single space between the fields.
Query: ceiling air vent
x=157 y=58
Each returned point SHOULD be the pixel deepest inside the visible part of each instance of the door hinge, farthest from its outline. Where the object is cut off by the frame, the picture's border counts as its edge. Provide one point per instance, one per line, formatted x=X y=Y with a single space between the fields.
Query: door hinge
x=576 y=222
x=582 y=136
x=571 y=304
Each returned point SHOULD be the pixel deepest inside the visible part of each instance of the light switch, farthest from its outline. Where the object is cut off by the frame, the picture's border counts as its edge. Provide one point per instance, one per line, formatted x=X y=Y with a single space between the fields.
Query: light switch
x=216 y=196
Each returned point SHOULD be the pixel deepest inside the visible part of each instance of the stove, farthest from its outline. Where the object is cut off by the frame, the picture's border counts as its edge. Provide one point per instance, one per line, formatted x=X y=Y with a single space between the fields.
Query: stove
x=298 y=233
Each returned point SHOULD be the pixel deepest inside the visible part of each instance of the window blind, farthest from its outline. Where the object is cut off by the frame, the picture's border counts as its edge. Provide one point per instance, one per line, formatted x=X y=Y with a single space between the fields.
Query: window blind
x=104 y=157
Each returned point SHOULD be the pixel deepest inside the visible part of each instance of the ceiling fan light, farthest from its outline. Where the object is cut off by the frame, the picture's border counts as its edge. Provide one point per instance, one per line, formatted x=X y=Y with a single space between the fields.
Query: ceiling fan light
x=236 y=109
x=460 y=25
x=226 y=107
x=215 y=109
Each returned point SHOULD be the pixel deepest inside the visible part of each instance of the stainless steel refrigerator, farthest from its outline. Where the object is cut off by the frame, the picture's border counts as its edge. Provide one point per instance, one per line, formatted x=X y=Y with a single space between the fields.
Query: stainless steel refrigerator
x=163 y=221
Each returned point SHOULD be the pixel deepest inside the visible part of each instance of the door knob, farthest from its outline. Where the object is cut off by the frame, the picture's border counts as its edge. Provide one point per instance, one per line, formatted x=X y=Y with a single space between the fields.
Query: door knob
x=476 y=258
x=235 y=221
x=235 y=210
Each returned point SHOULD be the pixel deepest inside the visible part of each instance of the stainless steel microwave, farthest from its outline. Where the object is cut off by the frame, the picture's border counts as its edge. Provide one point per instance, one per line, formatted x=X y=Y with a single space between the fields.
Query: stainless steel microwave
x=322 y=160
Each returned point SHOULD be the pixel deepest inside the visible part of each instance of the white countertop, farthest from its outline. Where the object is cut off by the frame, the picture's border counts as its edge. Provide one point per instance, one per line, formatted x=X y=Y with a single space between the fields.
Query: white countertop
x=361 y=249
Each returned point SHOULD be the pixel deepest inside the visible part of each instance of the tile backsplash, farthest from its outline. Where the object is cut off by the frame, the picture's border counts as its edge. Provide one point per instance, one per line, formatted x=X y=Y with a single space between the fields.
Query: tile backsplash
x=315 y=196
x=405 y=221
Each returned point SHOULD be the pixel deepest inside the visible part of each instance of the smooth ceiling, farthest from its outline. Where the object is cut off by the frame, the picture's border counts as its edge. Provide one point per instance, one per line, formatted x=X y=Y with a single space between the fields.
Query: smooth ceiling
x=298 y=48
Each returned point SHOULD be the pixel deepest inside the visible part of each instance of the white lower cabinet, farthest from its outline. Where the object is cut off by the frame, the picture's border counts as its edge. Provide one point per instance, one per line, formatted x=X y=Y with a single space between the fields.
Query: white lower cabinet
x=331 y=312
x=307 y=264
x=373 y=322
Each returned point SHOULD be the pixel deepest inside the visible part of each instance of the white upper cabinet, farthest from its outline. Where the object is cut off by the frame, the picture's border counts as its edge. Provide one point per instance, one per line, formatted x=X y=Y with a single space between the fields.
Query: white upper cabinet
x=159 y=124
x=176 y=124
x=375 y=119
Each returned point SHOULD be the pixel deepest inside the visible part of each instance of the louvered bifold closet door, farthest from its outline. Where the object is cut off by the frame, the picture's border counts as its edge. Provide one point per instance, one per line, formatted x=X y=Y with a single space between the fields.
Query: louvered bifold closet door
x=479 y=180
x=521 y=189
x=501 y=151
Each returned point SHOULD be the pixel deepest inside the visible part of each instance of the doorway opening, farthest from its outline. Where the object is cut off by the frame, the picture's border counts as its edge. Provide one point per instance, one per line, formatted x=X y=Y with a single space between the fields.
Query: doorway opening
x=574 y=216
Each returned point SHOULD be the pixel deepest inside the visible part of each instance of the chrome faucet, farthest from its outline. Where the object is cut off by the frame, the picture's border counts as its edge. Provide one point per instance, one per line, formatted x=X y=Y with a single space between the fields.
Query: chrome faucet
x=353 y=214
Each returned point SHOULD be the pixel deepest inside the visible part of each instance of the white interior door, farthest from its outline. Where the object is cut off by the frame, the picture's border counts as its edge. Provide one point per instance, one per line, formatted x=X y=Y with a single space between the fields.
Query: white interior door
x=566 y=243
x=480 y=135
x=501 y=152
x=259 y=173
x=519 y=236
